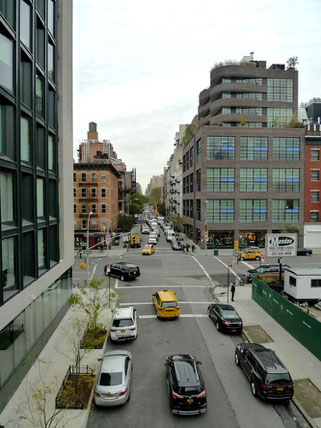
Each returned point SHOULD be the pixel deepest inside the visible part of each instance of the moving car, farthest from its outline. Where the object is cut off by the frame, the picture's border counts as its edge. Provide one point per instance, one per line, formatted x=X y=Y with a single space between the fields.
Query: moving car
x=187 y=393
x=112 y=387
x=123 y=271
x=300 y=251
x=268 y=376
x=166 y=304
x=124 y=324
x=176 y=245
x=225 y=318
x=145 y=230
x=268 y=270
x=149 y=249
x=152 y=240
x=250 y=254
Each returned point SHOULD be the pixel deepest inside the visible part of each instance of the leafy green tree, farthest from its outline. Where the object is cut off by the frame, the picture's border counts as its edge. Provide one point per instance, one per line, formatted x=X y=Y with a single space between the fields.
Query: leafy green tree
x=177 y=222
x=190 y=131
x=295 y=123
x=161 y=209
x=125 y=223
x=137 y=202
x=294 y=228
x=155 y=196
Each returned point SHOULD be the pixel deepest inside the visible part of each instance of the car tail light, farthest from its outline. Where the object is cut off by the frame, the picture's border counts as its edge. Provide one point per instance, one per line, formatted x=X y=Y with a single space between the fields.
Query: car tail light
x=263 y=386
x=161 y=308
x=132 y=329
x=96 y=394
x=123 y=392
x=202 y=394
x=113 y=330
x=174 y=395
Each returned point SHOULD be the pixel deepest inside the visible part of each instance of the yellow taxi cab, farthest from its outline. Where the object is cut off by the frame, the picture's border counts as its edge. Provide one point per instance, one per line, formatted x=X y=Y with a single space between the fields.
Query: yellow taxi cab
x=166 y=304
x=149 y=249
x=250 y=254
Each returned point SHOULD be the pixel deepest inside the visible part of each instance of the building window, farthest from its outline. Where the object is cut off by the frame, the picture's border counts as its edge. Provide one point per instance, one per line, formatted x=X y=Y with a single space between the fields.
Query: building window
x=51 y=152
x=314 y=216
x=285 y=210
x=75 y=208
x=7 y=130
x=220 y=180
x=83 y=177
x=280 y=90
x=8 y=274
x=75 y=192
x=93 y=208
x=191 y=209
x=40 y=198
x=225 y=110
x=226 y=95
x=27 y=195
x=253 y=179
x=39 y=95
x=6 y=62
x=191 y=157
x=51 y=16
x=198 y=150
x=315 y=282
x=40 y=40
x=51 y=61
x=83 y=209
x=7 y=8
x=279 y=117
x=220 y=210
x=314 y=175
x=314 y=196
x=84 y=225
x=25 y=23
x=286 y=180
x=198 y=180
x=220 y=148
x=253 y=210
x=103 y=177
x=254 y=148
x=93 y=223
x=93 y=193
x=191 y=183
x=41 y=250
x=83 y=193
x=93 y=177
x=25 y=81
x=25 y=140
x=40 y=147
x=51 y=107
x=249 y=110
x=249 y=95
x=198 y=209
x=103 y=193
x=315 y=154
x=75 y=224
x=75 y=177
x=249 y=80
x=286 y=148
x=6 y=194
x=103 y=209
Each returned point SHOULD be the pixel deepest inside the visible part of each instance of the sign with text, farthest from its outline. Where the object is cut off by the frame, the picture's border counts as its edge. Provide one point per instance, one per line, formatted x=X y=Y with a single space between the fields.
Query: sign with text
x=280 y=244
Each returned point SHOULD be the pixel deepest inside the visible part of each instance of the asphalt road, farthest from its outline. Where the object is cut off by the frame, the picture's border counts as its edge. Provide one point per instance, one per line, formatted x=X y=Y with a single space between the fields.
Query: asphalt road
x=230 y=402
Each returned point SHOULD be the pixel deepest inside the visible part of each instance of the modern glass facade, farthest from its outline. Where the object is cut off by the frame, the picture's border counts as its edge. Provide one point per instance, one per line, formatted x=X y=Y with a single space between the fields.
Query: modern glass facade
x=254 y=148
x=220 y=148
x=220 y=180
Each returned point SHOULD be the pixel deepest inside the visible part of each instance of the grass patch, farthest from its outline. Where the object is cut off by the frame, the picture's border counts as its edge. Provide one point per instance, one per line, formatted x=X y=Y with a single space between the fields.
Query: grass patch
x=309 y=396
x=256 y=334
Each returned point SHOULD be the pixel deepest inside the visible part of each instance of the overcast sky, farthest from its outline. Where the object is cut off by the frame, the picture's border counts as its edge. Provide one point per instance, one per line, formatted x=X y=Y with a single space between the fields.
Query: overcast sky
x=139 y=65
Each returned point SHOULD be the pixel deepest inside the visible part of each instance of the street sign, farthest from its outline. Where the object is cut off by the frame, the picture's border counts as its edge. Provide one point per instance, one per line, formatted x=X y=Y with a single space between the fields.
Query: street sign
x=83 y=244
x=107 y=270
x=280 y=244
x=205 y=232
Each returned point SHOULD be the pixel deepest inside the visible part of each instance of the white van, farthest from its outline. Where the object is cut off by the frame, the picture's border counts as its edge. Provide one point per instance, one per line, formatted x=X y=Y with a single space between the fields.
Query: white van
x=124 y=324
x=169 y=235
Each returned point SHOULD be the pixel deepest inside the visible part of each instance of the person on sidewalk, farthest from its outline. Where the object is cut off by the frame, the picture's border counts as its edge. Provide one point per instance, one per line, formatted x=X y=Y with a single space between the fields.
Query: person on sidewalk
x=193 y=248
x=187 y=247
x=232 y=290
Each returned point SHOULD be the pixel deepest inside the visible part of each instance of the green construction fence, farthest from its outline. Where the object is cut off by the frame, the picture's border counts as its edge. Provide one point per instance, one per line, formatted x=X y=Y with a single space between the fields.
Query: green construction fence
x=302 y=326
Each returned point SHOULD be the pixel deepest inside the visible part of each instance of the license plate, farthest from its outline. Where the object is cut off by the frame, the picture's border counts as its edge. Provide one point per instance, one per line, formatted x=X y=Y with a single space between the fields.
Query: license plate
x=233 y=331
x=109 y=395
x=279 y=389
x=123 y=331
x=190 y=400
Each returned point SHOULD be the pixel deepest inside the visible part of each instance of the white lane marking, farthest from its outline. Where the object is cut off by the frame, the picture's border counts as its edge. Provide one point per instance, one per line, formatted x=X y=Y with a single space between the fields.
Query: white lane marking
x=150 y=303
x=163 y=286
x=93 y=272
x=181 y=316
x=116 y=284
x=247 y=264
x=231 y=270
x=203 y=269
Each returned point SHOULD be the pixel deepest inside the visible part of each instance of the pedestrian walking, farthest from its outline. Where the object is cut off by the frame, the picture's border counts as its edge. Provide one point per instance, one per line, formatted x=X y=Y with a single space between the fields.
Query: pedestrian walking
x=193 y=248
x=80 y=253
x=183 y=248
x=187 y=247
x=232 y=290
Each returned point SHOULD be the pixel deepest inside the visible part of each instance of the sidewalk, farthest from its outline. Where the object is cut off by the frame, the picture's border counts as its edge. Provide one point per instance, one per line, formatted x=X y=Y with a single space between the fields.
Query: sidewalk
x=301 y=363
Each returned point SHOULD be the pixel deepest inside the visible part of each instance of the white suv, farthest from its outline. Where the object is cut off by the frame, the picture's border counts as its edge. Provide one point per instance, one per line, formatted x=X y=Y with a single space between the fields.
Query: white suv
x=124 y=324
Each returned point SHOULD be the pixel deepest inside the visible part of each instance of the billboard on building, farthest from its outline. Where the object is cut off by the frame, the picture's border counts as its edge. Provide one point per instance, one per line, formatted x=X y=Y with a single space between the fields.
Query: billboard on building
x=280 y=244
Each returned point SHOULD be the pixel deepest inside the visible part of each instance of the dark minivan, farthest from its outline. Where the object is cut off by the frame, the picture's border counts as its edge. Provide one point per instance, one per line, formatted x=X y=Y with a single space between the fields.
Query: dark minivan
x=187 y=394
x=268 y=376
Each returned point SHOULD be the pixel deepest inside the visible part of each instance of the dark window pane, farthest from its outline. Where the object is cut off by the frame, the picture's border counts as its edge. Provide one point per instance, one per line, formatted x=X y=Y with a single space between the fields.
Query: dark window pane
x=41 y=147
x=7 y=8
x=7 y=130
x=7 y=197
x=40 y=44
x=50 y=61
x=53 y=245
x=8 y=274
x=25 y=82
x=25 y=140
x=41 y=250
x=6 y=62
x=51 y=108
x=41 y=6
x=25 y=18
x=39 y=95
x=27 y=198
x=28 y=251
x=52 y=196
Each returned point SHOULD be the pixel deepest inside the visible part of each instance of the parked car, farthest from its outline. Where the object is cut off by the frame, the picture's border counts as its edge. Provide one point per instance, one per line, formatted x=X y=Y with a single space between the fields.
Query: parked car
x=268 y=376
x=112 y=387
x=149 y=249
x=250 y=254
x=300 y=251
x=166 y=304
x=225 y=318
x=124 y=324
x=152 y=240
x=123 y=270
x=145 y=230
x=269 y=270
x=187 y=393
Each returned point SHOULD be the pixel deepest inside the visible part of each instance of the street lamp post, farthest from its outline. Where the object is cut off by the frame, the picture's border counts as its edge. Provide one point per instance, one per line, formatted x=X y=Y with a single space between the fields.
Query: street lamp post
x=87 y=249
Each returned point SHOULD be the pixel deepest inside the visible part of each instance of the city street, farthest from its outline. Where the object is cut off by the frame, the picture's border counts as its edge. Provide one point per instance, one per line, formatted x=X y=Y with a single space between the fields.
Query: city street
x=228 y=393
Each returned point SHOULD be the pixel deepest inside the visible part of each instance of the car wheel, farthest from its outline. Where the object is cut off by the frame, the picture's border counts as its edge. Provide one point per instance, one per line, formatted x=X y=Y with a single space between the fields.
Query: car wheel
x=253 y=389
x=237 y=361
x=122 y=278
x=217 y=324
x=257 y=258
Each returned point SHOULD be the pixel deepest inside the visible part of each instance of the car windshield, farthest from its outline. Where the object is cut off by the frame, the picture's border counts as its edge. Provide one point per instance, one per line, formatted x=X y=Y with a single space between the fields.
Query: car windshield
x=147 y=247
x=278 y=378
x=111 y=379
x=132 y=269
x=169 y=304
x=122 y=322
x=228 y=315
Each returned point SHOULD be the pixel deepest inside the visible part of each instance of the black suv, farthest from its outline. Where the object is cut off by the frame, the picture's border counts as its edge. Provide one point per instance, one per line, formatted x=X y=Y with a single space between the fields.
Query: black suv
x=122 y=270
x=187 y=394
x=268 y=376
x=264 y=269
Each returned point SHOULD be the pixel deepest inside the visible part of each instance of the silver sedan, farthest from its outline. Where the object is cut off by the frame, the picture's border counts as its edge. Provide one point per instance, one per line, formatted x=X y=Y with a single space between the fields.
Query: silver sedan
x=113 y=381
